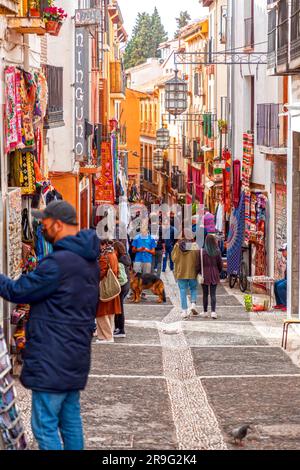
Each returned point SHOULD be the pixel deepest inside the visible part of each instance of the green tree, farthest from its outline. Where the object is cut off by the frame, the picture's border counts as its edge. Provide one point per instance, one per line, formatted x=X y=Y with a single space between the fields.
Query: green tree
x=159 y=33
x=182 y=20
x=147 y=34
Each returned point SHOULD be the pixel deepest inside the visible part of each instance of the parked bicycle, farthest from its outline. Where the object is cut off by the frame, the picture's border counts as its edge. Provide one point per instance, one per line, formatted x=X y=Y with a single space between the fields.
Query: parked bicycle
x=241 y=275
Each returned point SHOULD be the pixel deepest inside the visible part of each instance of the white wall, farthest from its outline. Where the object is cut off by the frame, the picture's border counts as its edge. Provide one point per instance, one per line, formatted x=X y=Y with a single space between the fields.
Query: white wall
x=61 y=54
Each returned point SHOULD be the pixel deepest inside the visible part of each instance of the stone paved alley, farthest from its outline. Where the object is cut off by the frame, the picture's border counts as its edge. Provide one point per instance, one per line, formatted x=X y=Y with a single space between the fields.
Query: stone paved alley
x=183 y=385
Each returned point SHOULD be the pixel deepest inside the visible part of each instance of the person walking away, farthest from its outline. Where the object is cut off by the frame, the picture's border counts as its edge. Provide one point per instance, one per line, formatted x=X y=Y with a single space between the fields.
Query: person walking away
x=212 y=268
x=168 y=247
x=159 y=250
x=280 y=287
x=106 y=311
x=185 y=256
x=63 y=294
x=125 y=260
x=143 y=246
x=209 y=223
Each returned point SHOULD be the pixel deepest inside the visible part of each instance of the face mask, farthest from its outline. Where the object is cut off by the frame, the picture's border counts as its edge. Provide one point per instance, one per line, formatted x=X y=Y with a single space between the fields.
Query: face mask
x=46 y=235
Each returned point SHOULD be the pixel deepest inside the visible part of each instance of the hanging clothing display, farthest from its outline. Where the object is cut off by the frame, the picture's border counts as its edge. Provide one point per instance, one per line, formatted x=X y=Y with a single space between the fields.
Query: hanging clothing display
x=248 y=160
x=13 y=108
x=23 y=174
x=104 y=185
x=219 y=218
x=236 y=183
x=236 y=237
x=226 y=155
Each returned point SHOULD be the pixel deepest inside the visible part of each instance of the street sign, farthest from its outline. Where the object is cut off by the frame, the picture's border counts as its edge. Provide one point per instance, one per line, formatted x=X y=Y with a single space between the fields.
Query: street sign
x=81 y=91
x=87 y=17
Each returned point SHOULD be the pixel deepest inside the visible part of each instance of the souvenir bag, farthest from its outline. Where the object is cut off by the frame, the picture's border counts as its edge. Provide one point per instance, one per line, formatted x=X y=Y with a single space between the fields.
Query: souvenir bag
x=109 y=286
x=200 y=277
x=122 y=277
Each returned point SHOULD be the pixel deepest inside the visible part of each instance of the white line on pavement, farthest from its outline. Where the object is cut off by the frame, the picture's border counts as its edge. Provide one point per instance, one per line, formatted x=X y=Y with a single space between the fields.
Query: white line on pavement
x=113 y=376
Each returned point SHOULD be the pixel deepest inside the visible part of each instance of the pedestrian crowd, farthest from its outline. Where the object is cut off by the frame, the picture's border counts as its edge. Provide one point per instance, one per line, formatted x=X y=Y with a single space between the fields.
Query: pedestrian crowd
x=68 y=307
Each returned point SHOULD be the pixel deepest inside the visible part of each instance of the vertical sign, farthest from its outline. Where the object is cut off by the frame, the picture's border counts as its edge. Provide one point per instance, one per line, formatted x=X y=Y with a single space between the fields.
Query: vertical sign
x=81 y=90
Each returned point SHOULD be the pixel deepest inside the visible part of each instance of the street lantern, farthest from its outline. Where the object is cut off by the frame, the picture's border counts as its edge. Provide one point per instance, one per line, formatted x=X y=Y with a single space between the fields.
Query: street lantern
x=162 y=138
x=158 y=159
x=176 y=95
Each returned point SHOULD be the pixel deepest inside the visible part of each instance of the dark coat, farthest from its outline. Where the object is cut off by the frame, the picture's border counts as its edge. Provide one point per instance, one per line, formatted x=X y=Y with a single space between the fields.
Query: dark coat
x=212 y=267
x=63 y=293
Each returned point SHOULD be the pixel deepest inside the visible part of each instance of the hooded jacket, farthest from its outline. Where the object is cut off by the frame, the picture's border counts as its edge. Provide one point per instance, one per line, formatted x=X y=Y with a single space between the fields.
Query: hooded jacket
x=186 y=259
x=63 y=293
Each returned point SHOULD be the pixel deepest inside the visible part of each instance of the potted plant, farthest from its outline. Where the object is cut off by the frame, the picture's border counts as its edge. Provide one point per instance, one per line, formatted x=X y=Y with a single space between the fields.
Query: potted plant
x=222 y=125
x=53 y=17
x=34 y=8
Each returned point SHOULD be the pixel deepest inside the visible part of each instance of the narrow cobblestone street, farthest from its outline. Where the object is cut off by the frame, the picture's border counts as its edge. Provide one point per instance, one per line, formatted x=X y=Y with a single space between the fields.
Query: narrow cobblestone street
x=184 y=385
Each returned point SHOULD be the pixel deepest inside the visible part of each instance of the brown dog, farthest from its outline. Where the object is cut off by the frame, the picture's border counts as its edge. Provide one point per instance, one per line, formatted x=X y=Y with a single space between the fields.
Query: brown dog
x=139 y=282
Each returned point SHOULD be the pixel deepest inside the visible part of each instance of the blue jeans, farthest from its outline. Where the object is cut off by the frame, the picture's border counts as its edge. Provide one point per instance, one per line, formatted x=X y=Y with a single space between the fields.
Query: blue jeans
x=56 y=419
x=280 y=292
x=167 y=255
x=184 y=286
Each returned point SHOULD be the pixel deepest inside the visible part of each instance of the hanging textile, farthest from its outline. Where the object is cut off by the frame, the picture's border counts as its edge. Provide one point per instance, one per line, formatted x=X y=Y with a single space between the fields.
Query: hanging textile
x=12 y=109
x=226 y=155
x=236 y=182
x=41 y=97
x=104 y=185
x=22 y=171
x=219 y=217
x=28 y=93
x=261 y=259
x=248 y=160
x=236 y=237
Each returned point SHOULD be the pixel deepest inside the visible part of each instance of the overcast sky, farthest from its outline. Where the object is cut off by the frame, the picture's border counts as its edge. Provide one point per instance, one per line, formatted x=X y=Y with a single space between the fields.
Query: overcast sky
x=168 y=10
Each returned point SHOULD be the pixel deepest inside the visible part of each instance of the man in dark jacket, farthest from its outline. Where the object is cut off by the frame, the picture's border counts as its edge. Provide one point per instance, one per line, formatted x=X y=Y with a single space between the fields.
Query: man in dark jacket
x=63 y=295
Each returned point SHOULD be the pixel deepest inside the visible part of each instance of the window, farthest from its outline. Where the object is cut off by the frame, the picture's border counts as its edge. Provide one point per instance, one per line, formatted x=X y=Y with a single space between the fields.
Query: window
x=223 y=24
x=55 y=114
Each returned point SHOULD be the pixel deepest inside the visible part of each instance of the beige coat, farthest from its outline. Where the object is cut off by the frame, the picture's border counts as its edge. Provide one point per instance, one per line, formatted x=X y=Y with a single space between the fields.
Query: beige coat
x=186 y=263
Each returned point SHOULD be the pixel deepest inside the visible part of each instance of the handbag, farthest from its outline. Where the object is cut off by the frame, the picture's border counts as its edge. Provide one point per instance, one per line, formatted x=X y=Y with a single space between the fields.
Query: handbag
x=109 y=286
x=122 y=277
x=200 y=277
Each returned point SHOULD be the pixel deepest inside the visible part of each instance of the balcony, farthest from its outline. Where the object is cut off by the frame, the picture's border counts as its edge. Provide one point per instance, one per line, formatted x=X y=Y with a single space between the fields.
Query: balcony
x=30 y=20
x=295 y=36
x=8 y=7
x=271 y=135
x=249 y=33
x=117 y=80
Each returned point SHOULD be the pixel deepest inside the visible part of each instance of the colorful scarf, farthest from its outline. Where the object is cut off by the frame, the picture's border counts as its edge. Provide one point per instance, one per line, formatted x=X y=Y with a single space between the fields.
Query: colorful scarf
x=236 y=237
x=23 y=174
x=28 y=93
x=13 y=109
x=236 y=182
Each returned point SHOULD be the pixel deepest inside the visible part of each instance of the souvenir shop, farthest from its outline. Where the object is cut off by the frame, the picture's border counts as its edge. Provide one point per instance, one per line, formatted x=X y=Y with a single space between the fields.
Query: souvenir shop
x=241 y=211
x=28 y=187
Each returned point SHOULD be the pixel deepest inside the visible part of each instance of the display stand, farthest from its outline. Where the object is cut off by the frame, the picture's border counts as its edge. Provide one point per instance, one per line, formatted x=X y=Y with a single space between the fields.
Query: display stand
x=12 y=435
x=268 y=284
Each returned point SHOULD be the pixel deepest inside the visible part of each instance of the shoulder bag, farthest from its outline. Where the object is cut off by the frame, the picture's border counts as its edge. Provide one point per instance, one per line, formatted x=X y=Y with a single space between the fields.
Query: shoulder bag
x=109 y=286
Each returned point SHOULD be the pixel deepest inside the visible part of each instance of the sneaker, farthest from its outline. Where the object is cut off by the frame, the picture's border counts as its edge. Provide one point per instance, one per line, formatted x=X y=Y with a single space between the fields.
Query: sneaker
x=214 y=315
x=193 y=310
x=204 y=315
x=119 y=334
x=104 y=341
x=185 y=314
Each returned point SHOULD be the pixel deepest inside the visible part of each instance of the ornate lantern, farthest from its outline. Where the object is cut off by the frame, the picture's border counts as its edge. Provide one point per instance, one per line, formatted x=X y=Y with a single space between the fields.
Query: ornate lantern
x=158 y=159
x=162 y=138
x=176 y=95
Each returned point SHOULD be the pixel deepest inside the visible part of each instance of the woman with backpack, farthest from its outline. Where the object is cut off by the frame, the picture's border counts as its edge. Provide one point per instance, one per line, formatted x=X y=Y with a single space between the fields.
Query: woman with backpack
x=106 y=311
x=124 y=279
x=211 y=267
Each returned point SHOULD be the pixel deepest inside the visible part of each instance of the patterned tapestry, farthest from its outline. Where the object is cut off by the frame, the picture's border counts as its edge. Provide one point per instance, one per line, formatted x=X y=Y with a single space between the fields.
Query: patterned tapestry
x=236 y=237
x=105 y=188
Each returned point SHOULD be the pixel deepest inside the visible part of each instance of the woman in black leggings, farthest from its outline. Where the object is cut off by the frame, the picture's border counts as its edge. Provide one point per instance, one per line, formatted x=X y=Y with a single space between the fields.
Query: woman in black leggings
x=211 y=260
x=126 y=261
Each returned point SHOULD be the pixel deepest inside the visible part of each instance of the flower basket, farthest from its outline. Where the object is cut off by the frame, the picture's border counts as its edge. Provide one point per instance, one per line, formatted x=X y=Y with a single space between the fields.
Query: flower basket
x=52 y=27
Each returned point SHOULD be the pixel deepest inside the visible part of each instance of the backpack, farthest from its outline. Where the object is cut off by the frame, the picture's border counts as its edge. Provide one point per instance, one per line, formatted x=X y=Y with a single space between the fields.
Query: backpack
x=122 y=278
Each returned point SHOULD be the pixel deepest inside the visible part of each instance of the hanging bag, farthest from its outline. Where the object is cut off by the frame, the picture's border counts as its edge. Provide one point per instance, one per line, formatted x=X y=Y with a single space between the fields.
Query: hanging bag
x=109 y=286
x=200 y=277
